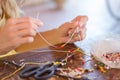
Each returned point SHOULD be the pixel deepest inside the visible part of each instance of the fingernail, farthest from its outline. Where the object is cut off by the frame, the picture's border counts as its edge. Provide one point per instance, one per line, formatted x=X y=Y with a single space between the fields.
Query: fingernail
x=81 y=24
x=69 y=32
x=41 y=23
x=31 y=39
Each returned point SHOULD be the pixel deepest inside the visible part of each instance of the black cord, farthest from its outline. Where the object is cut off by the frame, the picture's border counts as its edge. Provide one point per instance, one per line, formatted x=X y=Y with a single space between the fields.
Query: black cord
x=112 y=12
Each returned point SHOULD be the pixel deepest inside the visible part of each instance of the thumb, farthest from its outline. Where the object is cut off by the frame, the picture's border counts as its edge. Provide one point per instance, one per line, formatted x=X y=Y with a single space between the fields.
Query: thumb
x=69 y=25
x=82 y=19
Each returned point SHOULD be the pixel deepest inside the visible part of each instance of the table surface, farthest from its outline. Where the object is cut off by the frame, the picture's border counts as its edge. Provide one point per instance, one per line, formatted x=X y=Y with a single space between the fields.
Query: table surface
x=36 y=56
x=99 y=22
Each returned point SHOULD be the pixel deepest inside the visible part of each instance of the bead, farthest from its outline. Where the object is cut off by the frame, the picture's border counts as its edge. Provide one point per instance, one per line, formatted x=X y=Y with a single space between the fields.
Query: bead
x=83 y=62
x=71 y=51
x=59 y=47
x=102 y=69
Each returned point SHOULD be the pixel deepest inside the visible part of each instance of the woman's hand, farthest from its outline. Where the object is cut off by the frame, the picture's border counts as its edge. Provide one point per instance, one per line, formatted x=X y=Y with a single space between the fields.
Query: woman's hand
x=74 y=30
x=17 y=31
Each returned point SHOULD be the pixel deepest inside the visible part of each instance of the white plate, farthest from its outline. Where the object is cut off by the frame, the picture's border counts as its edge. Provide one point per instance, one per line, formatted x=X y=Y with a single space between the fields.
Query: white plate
x=106 y=46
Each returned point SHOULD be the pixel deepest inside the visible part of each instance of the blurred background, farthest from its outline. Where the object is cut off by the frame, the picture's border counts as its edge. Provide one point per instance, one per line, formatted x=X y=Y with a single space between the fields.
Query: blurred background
x=104 y=15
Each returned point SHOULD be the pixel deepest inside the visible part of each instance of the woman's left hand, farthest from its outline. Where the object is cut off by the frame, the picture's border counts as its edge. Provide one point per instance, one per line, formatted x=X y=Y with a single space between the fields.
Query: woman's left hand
x=73 y=31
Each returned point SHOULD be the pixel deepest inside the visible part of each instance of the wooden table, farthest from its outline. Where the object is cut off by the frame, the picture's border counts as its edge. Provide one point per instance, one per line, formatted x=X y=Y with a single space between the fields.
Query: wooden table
x=35 y=56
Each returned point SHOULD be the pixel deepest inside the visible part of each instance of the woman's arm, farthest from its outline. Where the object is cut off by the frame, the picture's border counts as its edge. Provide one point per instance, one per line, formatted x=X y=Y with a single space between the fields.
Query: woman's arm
x=51 y=36
x=20 y=34
x=56 y=36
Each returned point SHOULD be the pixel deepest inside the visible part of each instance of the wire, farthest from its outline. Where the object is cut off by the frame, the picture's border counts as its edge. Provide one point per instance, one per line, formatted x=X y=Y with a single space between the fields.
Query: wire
x=49 y=42
x=8 y=62
x=37 y=17
x=33 y=63
x=76 y=50
x=50 y=50
x=69 y=39
x=20 y=68
x=46 y=40
x=53 y=45
x=41 y=51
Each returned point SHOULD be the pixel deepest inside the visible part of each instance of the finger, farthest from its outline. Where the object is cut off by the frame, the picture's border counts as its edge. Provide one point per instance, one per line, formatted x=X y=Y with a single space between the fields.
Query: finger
x=29 y=19
x=24 y=19
x=72 y=31
x=22 y=40
x=26 y=26
x=26 y=32
x=68 y=25
x=80 y=18
x=83 y=36
x=75 y=30
x=80 y=28
x=64 y=40
x=25 y=40
x=79 y=35
x=77 y=38
x=83 y=33
x=73 y=35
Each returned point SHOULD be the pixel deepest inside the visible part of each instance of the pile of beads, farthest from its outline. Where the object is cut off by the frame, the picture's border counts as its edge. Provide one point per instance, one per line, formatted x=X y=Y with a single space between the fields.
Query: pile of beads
x=74 y=73
x=113 y=57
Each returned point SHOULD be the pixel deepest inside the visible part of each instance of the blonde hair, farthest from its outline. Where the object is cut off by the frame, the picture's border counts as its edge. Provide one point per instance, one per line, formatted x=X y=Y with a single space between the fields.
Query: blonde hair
x=9 y=9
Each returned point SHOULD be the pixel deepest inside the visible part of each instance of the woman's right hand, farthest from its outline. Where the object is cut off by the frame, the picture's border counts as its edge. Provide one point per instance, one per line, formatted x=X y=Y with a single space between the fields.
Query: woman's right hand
x=17 y=31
